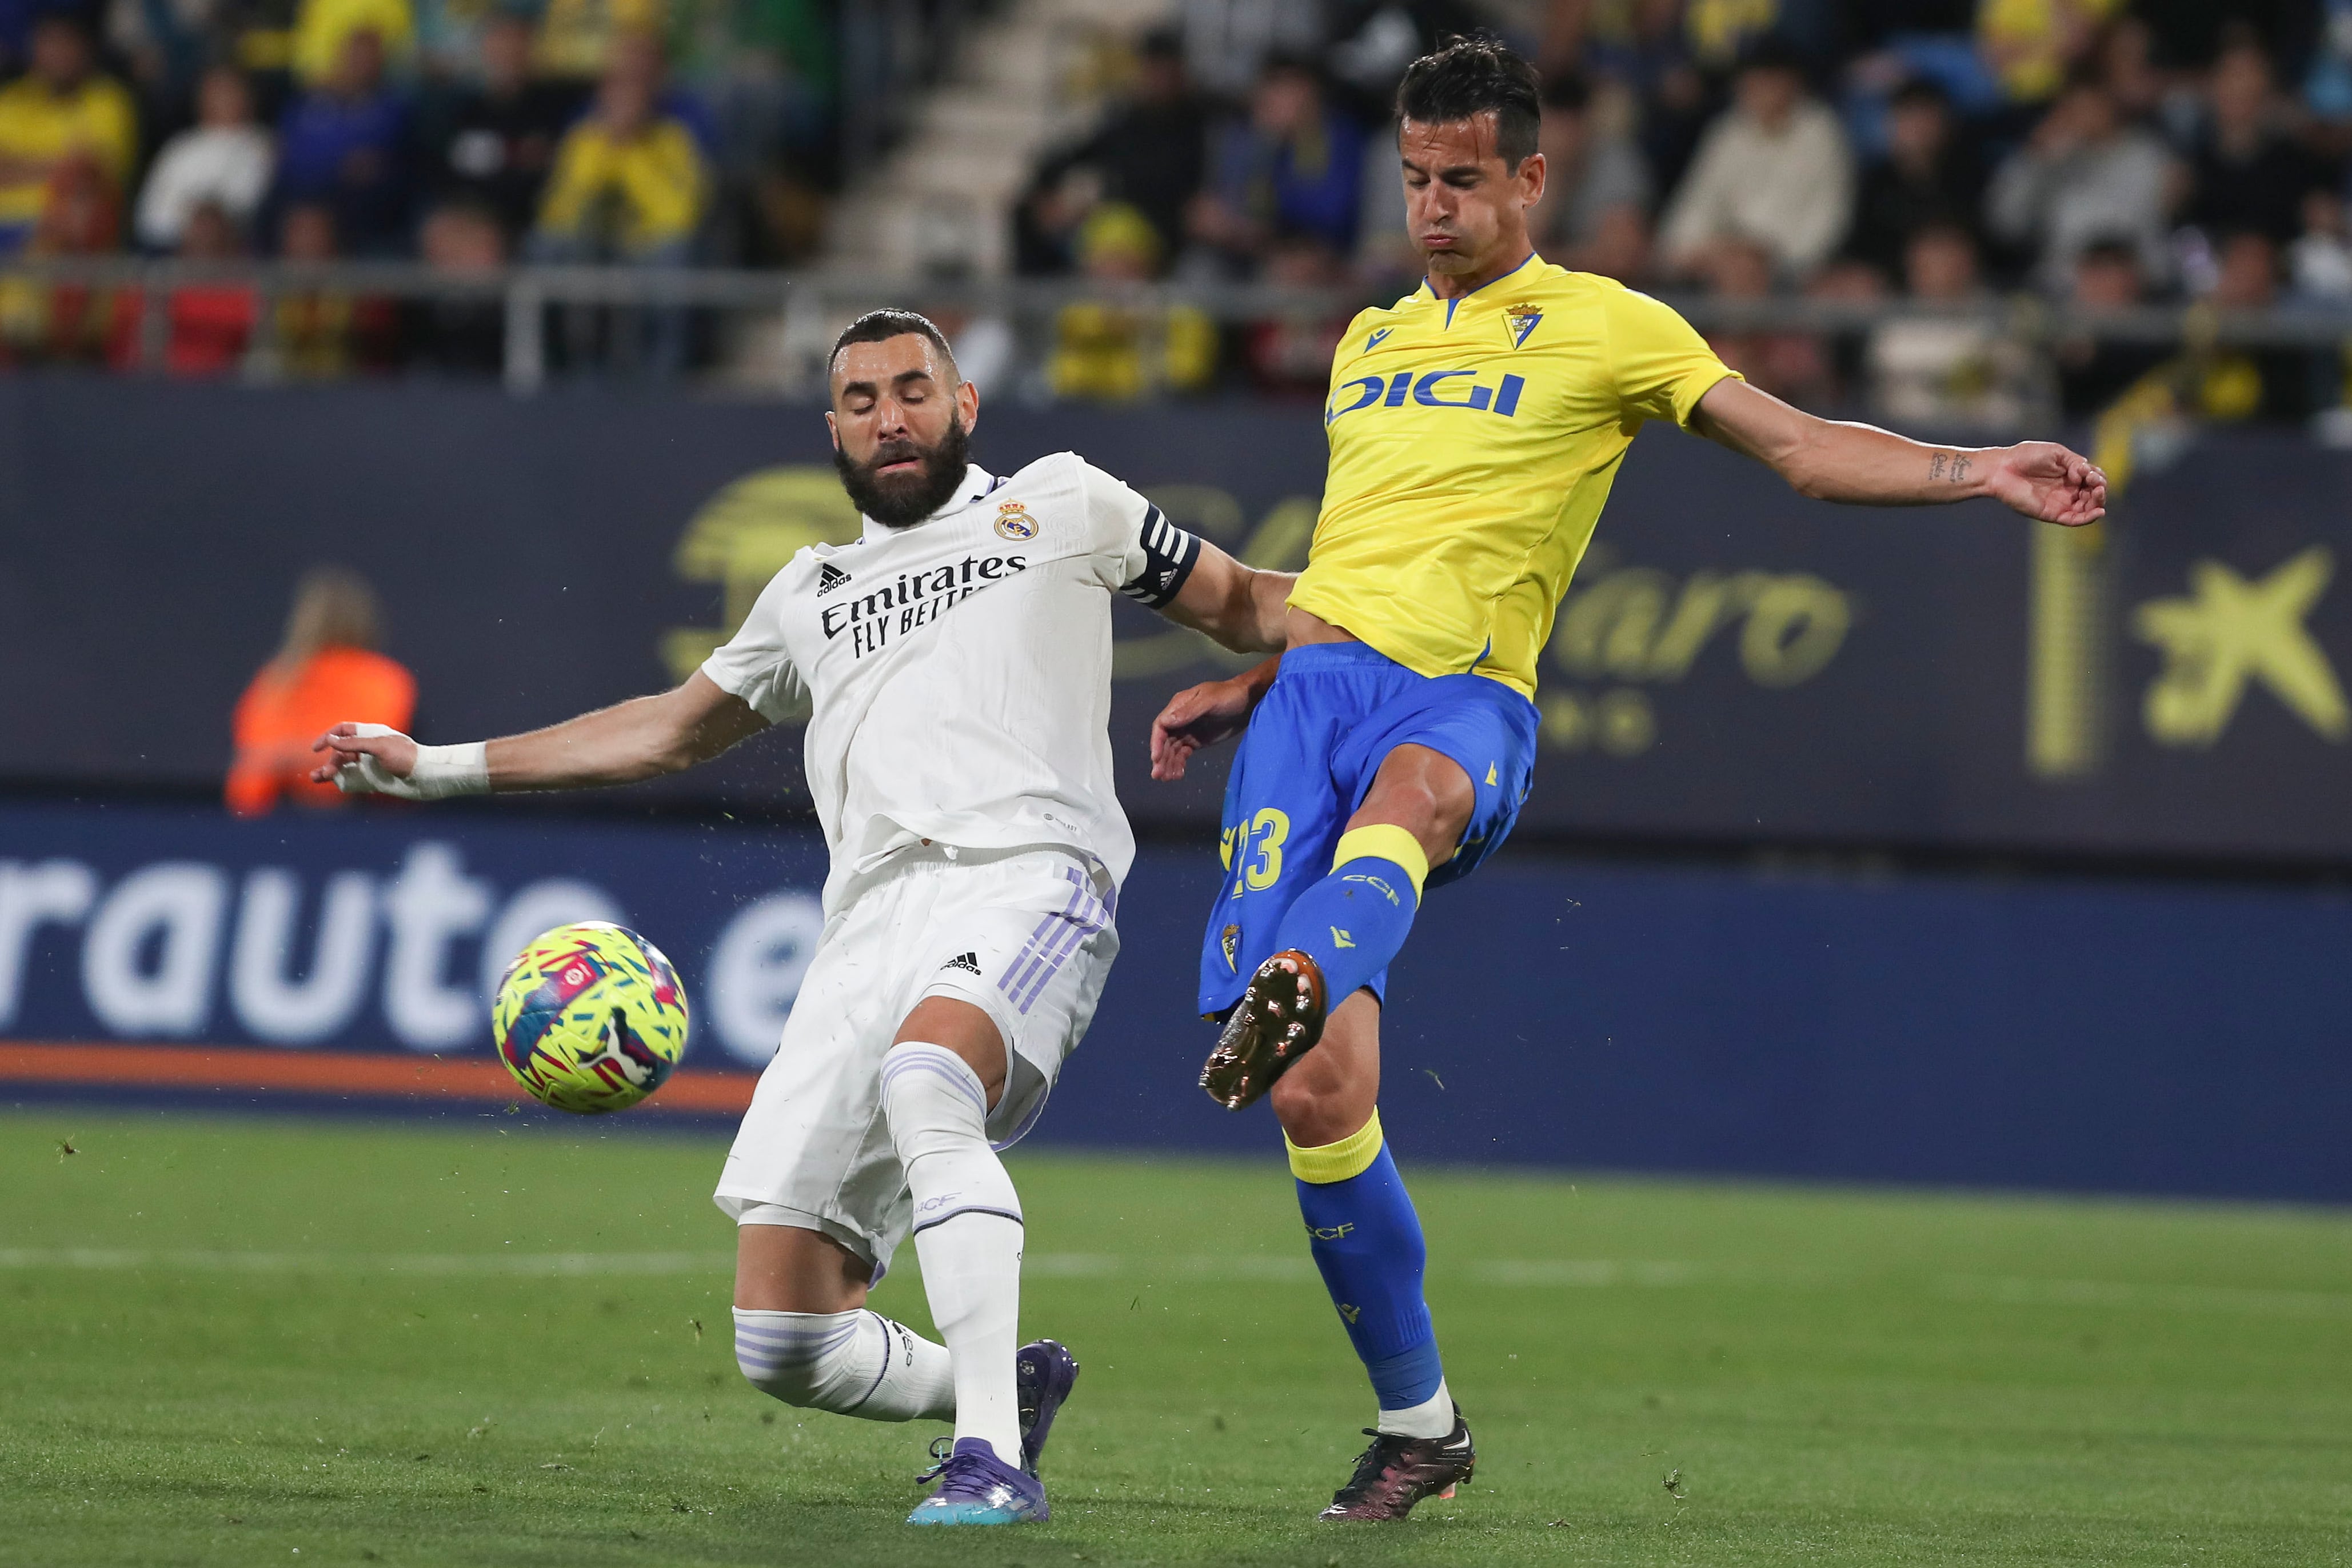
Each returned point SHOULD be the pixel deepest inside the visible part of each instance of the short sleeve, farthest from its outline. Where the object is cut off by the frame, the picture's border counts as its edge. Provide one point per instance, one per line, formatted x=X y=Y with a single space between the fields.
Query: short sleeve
x=1136 y=550
x=1662 y=367
x=754 y=664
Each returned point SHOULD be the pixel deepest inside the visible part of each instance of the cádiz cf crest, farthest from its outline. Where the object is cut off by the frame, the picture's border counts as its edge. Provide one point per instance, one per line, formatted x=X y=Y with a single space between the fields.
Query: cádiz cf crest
x=1522 y=321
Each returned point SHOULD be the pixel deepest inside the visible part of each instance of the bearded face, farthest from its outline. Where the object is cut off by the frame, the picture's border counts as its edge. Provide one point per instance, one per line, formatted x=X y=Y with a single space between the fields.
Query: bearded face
x=901 y=420
x=903 y=481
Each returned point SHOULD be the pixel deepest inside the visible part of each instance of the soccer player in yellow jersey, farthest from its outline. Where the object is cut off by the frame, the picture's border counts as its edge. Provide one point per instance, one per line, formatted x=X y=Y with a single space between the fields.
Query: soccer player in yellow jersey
x=1474 y=429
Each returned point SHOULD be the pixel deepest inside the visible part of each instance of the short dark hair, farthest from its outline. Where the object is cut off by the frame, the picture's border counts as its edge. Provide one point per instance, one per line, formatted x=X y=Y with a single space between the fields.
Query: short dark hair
x=1942 y=228
x=1468 y=76
x=2117 y=249
x=881 y=326
x=1925 y=90
x=1772 y=52
x=2087 y=76
x=1291 y=63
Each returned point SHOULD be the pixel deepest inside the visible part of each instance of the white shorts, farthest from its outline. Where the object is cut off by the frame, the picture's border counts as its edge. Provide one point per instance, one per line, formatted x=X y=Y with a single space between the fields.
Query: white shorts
x=1024 y=935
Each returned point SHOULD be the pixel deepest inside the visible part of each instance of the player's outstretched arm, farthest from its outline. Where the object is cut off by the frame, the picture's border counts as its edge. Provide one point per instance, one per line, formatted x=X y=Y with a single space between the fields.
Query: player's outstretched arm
x=1243 y=609
x=1861 y=464
x=641 y=738
x=1237 y=606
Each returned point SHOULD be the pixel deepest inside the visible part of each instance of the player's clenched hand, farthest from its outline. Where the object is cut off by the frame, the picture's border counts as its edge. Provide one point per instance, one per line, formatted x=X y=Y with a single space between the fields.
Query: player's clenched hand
x=376 y=759
x=371 y=759
x=365 y=760
x=2042 y=479
x=1194 y=717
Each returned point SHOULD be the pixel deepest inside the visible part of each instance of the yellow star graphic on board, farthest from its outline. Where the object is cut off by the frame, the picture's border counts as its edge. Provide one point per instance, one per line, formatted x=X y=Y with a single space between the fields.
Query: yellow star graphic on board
x=2229 y=631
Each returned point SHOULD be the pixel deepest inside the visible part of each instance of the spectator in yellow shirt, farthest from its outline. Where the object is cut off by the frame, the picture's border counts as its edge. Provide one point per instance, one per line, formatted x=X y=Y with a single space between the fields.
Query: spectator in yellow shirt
x=629 y=185
x=60 y=109
x=321 y=25
x=1113 y=351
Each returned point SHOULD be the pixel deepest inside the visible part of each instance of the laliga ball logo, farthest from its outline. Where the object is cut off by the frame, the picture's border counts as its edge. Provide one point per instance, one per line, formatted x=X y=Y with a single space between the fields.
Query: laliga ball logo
x=1013 y=522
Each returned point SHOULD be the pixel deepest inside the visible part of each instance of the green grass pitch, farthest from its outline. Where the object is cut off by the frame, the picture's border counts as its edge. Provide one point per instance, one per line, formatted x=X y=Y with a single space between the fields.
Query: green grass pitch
x=498 y=1341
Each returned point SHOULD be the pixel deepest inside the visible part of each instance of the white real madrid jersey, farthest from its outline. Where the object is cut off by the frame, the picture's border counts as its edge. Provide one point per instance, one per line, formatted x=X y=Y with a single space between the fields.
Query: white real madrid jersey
x=960 y=669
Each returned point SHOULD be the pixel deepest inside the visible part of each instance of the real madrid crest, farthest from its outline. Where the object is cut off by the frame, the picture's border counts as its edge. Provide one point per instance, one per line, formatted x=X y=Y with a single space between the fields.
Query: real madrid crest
x=1522 y=321
x=1013 y=522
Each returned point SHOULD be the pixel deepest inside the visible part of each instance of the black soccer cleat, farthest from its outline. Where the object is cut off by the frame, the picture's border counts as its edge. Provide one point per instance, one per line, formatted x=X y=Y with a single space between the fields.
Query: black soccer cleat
x=1395 y=1472
x=1277 y=1020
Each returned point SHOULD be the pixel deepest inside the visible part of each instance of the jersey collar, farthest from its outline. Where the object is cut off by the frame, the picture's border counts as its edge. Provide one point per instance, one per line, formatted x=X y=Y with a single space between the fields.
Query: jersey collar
x=977 y=483
x=1430 y=293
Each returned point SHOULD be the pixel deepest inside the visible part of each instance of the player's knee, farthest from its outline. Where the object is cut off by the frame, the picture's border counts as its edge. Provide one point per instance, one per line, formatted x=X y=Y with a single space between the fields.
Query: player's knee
x=1450 y=798
x=962 y=1029
x=1313 y=1113
x=933 y=1102
x=1435 y=805
x=1294 y=1104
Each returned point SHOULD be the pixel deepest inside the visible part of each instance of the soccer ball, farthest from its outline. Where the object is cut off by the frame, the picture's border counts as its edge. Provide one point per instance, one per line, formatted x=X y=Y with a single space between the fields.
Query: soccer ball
x=590 y=1018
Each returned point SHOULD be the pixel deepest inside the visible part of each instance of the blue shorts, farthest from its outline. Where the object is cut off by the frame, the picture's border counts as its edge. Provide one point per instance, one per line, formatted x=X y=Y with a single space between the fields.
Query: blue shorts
x=1334 y=713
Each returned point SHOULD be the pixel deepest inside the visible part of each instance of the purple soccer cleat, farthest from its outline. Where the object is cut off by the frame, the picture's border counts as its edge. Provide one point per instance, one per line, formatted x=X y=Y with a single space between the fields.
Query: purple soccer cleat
x=1043 y=1373
x=978 y=1487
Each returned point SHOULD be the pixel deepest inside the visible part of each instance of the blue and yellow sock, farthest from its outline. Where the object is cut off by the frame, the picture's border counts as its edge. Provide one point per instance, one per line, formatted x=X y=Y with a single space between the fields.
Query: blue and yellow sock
x=1355 y=920
x=1366 y=1238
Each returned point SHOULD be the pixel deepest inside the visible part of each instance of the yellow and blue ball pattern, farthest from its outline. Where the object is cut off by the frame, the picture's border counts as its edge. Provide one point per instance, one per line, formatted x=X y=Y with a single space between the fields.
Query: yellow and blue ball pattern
x=590 y=1018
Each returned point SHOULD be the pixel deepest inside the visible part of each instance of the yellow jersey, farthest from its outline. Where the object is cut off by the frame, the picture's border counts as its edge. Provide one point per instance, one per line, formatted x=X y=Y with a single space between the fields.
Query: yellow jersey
x=321 y=28
x=39 y=125
x=1473 y=443
x=648 y=187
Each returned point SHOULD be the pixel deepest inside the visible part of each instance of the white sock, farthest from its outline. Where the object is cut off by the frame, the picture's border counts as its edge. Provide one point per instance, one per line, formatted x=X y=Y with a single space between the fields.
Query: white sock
x=968 y=1231
x=1432 y=1417
x=852 y=1363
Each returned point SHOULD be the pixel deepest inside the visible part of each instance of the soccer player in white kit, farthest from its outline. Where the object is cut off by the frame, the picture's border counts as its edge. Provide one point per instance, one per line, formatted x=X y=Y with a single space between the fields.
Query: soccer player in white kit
x=958 y=660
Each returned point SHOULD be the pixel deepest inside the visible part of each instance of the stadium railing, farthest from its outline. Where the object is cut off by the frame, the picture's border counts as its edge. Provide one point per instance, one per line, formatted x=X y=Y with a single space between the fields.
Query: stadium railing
x=798 y=312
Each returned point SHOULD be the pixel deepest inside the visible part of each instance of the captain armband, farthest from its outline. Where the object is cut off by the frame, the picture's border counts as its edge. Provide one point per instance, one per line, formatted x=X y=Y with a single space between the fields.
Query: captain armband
x=1169 y=554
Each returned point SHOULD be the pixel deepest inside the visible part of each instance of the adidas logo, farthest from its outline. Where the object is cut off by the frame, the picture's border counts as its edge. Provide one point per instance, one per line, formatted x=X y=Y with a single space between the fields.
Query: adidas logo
x=829 y=578
x=968 y=962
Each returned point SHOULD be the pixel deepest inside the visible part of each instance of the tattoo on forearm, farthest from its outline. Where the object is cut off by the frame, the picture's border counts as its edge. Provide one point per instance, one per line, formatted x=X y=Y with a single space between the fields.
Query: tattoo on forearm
x=1949 y=467
x=1935 y=467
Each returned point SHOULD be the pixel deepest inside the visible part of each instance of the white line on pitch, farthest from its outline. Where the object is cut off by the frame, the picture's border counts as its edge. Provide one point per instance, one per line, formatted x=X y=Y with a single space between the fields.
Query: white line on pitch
x=1042 y=1265
x=2235 y=1299
x=526 y=1263
x=1554 y=1273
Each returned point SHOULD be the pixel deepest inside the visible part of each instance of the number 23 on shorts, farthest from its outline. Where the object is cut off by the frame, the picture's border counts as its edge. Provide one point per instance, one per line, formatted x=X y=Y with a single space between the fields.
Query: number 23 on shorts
x=1256 y=847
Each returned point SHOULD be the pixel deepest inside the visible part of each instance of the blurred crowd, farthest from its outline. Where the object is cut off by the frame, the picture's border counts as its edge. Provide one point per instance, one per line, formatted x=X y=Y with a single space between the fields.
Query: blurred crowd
x=2066 y=153
x=462 y=133
x=1920 y=156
